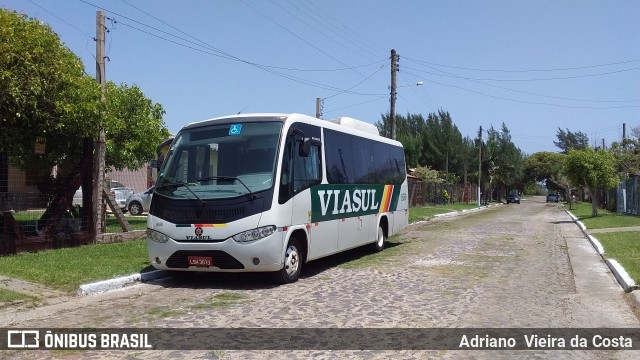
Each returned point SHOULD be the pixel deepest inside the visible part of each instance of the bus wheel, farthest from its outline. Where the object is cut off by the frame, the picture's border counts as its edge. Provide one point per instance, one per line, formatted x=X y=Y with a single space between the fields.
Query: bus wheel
x=292 y=263
x=379 y=244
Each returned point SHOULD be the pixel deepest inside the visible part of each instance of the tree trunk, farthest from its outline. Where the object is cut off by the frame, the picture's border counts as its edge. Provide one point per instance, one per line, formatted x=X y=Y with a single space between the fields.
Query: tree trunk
x=594 y=203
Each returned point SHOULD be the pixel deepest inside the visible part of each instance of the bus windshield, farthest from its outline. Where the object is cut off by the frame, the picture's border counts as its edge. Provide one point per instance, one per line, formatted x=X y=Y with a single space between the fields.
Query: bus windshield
x=221 y=161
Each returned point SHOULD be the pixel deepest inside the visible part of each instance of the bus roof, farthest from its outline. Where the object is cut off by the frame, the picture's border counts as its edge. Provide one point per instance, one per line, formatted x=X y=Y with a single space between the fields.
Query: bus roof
x=344 y=124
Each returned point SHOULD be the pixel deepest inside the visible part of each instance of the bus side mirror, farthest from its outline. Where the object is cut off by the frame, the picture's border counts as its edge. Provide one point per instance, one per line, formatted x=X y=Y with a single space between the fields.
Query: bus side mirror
x=305 y=147
x=160 y=161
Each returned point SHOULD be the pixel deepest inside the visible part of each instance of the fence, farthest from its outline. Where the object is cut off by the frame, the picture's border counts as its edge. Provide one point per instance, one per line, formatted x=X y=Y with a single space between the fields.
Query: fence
x=42 y=210
x=628 y=196
x=422 y=193
x=36 y=211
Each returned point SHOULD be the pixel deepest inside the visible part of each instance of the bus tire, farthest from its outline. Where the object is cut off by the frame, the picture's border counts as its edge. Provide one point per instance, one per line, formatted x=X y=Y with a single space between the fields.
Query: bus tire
x=292 y=268
x=380 y=238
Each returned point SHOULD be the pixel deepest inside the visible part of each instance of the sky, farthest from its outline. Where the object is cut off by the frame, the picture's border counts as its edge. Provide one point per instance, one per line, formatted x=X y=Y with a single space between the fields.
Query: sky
x=535 y=66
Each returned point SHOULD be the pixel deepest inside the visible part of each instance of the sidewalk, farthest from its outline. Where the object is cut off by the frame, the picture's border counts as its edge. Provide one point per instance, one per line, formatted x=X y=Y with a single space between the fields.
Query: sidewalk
x=621 y=275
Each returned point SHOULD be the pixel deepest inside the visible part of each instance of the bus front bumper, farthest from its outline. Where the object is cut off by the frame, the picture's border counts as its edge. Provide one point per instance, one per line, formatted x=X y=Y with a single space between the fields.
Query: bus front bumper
x=226 y=256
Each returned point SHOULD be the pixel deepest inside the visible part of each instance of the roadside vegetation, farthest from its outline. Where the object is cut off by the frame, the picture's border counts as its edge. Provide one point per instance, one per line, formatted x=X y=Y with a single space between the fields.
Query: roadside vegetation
x=605 y=218
x=137 y=223
x=66 y=269
x=622 y=246
x=8 y=296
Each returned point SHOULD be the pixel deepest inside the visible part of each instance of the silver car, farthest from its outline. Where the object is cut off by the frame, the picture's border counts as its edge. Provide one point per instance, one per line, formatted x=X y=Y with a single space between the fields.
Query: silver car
x=119 y=191
x=139 y=202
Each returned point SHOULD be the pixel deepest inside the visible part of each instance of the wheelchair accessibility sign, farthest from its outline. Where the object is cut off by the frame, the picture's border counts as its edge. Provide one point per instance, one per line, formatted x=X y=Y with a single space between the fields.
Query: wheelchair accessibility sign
x=235 y=129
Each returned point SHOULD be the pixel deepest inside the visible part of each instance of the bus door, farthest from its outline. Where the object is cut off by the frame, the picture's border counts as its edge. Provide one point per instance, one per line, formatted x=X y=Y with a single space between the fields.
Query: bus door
x=304 y=172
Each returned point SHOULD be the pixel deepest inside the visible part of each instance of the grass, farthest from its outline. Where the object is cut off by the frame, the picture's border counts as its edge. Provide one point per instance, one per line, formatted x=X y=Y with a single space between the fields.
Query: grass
x=221 y=300
x=218 y=301
x=163 y=312
x=112 y=226
x=28 y=215
x=420 y=213
x=137 y=223
x=605 y=218
x=7 y=295
x=394 y=248
x=625 y=248
x=66 y=269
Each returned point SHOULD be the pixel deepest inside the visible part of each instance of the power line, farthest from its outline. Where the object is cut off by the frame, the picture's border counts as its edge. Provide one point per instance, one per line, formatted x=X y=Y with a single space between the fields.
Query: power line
x=530 y=102
x=219 y=53
x=259 y=66
x=352 y=44
x=216 y=51
x=332 y=19
x=528 y=70
x=64 y=21
x=536 y=79
x=356 y=85
x=297 y=36
x=360 y=103
x=520 y=91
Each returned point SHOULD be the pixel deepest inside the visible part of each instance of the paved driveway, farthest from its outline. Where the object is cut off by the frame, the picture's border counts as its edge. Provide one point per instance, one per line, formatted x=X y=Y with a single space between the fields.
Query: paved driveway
x=514 y=266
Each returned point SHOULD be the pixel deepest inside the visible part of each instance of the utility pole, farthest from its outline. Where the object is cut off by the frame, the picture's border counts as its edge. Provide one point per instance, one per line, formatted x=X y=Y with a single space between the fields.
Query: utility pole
x=479 y=163
x=392 y=107
x=319 y=108
x=98 y=166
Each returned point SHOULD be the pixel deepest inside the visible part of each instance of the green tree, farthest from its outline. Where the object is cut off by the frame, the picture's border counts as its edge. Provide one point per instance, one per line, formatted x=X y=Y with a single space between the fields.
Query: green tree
x=427 y=174
x=443 y=147
x=504 y=161
x=568 y=140
x=44 y=94
x=408 y=130
x=627 y=154
x=592 y=169
x=133 y=127
x=546 y=167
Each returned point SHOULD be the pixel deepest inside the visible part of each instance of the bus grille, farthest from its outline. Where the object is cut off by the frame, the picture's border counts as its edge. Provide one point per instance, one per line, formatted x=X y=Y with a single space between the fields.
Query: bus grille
x=207 y=215
x=219 y=258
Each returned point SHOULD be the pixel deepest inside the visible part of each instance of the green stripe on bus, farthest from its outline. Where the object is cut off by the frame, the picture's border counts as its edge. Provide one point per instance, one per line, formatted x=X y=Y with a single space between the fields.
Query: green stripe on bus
x=329 y=202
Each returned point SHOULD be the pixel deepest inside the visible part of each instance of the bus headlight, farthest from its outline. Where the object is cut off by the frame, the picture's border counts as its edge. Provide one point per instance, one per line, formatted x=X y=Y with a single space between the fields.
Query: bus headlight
x=254 y=234
x=157 y=236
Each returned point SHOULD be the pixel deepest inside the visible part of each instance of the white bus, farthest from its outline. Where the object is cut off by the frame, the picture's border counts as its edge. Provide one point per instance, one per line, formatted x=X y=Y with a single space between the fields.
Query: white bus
x=269 y=192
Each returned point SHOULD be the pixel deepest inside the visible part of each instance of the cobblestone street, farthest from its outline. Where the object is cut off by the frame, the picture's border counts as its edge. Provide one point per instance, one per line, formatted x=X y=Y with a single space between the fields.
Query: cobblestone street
x=514 y=266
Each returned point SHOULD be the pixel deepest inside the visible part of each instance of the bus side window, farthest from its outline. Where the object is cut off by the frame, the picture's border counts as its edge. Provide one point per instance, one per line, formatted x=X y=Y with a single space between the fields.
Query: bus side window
x=286 y=172
x=306 y=170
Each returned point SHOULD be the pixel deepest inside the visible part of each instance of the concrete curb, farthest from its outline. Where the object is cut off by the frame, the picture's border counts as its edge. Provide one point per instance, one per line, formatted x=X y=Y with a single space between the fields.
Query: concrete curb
x=118 y=283
x=455 y=213
x=621 y=275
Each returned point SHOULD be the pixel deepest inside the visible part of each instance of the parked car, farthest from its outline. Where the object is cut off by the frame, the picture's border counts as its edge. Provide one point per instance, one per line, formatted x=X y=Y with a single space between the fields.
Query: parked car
x=119 y=191
x=552 y=197
x=139 y=202
x=513 y=199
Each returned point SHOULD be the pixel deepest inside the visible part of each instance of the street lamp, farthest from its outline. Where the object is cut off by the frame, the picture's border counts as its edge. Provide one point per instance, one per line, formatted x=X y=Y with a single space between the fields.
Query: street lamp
x=392 y=108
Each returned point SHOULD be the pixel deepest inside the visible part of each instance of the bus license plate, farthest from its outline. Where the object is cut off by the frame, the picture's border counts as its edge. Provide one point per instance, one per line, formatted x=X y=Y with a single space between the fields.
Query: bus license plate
x=200 y=261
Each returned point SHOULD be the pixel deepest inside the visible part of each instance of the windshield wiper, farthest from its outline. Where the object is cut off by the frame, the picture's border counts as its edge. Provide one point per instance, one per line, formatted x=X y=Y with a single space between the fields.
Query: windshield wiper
x=178 y=184
x=227 y=178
